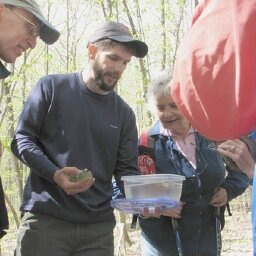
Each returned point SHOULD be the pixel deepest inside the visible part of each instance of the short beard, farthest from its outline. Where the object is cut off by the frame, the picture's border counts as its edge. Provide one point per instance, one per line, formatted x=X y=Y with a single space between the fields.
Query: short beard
x=99 y=79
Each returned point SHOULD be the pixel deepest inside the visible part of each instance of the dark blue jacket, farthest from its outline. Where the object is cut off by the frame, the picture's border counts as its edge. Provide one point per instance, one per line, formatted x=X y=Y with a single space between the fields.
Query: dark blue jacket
x=198 y=222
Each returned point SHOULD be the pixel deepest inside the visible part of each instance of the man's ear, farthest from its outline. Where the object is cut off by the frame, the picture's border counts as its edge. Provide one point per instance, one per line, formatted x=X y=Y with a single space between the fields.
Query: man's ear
x=92 y=50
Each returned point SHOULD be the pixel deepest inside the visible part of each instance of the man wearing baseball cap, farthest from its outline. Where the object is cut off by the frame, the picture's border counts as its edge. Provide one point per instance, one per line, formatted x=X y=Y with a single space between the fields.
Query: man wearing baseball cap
x=21 y=22
x=77 y=122
x=120 y=33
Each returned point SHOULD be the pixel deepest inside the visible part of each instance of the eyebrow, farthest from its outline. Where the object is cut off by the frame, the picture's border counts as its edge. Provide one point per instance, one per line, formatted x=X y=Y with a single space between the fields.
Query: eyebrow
x=117 y=56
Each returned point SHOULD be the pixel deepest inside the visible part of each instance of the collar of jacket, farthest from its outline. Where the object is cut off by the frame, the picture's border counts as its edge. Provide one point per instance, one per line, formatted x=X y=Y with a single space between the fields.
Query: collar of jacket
x=3 y=71
x=155 y=132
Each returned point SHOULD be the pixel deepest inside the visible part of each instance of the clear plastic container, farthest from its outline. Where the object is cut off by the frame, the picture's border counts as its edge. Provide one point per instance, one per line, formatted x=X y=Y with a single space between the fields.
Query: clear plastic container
x=153 y=186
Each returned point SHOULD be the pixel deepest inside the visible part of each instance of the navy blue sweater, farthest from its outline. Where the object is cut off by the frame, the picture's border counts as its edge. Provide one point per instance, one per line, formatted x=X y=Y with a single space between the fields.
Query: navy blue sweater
x=65 y=124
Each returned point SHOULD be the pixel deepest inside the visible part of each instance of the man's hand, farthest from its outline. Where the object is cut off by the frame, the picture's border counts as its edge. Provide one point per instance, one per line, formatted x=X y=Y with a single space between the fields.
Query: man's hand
x=239 y=153
x=62 y=178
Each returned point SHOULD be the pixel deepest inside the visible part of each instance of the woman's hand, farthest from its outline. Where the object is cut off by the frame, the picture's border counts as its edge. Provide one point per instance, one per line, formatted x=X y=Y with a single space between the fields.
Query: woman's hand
x=219 y=198
x=174 y=213
x=157 y=212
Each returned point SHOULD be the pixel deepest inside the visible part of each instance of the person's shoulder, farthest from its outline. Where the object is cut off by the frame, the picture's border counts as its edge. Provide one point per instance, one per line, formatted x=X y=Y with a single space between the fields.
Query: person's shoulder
x=55 y=82
x=55 y=78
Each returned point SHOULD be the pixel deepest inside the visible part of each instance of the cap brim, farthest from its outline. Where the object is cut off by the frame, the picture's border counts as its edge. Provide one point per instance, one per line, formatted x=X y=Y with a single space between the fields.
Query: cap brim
x=141 y=48
x=48 y=33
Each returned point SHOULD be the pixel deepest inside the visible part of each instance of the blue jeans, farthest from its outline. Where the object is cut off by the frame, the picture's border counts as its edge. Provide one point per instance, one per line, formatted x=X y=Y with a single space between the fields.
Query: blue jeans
x=44 y=235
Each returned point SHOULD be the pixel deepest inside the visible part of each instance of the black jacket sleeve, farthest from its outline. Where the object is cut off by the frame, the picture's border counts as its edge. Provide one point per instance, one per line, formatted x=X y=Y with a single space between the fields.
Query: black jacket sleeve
x=235 y=183
x=4 y=223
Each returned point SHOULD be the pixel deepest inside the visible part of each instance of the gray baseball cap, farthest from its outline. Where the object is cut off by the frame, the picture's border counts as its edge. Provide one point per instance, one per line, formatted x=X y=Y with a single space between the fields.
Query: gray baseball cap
x=120 y=33
x=47 y=33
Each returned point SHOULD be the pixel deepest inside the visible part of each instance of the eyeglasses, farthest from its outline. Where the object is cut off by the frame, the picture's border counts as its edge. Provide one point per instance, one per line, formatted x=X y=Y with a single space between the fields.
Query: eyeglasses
x=33 y=29
x=182 y=165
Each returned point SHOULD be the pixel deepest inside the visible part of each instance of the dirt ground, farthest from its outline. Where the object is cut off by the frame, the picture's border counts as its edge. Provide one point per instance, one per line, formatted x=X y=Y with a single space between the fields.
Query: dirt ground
x=236 y=236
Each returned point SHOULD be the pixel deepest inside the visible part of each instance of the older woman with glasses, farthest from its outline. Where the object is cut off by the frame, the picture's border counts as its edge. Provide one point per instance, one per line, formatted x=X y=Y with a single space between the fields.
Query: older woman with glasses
x=180 y=149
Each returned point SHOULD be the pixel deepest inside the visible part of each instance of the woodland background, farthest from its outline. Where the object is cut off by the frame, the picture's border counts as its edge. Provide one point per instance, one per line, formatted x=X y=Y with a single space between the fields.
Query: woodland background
x=161 y=24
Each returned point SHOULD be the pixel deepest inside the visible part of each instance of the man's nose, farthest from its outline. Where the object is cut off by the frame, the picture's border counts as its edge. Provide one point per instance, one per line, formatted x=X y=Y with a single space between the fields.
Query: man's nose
x=120 y=67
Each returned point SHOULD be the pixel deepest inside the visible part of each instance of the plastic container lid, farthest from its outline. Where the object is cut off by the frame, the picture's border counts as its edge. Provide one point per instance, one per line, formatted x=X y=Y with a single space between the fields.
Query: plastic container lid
x=137 y=206
x=153 y=178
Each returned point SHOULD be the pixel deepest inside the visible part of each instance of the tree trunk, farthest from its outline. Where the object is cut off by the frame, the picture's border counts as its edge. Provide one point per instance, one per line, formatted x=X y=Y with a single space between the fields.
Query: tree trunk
x=13 y=211
x=68 y=36
x=163 y=64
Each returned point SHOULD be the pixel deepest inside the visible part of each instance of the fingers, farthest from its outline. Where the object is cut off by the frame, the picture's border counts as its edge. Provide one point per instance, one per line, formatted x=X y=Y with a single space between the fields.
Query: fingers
x=232 y=148
x=150 y=212
x=174 y=213
x=239 y=153
x=156 y=212
x=62 y=175
x=220 y=198
x=236 y=150
x=62 y=178
x=227 y=148
x=78 y=187
x=218 y=204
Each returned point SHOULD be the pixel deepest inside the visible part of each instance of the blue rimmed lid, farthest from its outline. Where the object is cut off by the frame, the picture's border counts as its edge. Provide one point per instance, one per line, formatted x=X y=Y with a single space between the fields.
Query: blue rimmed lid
x=137 y=206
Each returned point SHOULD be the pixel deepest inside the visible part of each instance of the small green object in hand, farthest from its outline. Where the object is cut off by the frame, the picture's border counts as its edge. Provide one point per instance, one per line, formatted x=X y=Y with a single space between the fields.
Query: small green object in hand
x=81 y=176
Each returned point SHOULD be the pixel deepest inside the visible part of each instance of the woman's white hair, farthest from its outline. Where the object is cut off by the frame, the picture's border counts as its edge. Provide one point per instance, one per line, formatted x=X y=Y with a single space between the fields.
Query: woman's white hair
x=159 y=87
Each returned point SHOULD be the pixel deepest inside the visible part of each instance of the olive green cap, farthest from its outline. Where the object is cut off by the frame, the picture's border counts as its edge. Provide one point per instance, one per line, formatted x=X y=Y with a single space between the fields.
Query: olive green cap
x=48 y=33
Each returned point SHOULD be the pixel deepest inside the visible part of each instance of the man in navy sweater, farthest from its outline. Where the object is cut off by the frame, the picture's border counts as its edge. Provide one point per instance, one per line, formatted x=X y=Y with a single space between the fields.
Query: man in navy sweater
x=72 y=122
